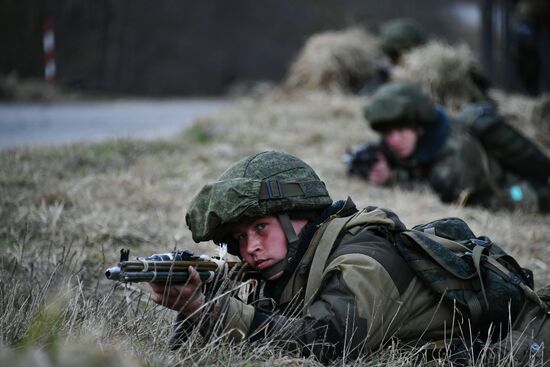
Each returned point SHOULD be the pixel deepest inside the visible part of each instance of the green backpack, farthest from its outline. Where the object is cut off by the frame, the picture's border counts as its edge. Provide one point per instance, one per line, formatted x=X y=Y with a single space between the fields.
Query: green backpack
x=472 y=273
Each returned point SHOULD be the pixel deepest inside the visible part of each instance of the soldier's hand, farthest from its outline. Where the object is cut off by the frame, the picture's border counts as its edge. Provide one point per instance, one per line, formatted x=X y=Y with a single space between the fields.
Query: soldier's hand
x=186 y=298
x=380 y=172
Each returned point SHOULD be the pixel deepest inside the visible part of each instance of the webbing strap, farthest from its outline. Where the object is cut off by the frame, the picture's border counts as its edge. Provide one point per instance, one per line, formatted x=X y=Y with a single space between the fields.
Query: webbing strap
x=529 y=293
x=292 y=246
x=322 y=253
x=415 y=236
x=477 y=253
x=274 y=269
x=450 y=244
x=274 y=189
x=474 y=307
x=289 y=231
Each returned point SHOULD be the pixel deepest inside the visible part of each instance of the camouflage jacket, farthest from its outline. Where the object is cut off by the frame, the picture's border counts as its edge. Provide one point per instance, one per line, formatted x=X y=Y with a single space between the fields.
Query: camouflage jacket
x=478 y=159
x=463 y=172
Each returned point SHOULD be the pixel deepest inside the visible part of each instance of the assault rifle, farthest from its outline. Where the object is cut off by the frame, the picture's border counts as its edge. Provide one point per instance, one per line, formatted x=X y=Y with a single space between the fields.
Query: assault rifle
x=361 y=161
x=173 y=267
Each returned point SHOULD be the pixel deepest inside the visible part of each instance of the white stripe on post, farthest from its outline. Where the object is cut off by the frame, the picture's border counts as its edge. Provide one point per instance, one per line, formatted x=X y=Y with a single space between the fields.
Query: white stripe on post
x=48 y=43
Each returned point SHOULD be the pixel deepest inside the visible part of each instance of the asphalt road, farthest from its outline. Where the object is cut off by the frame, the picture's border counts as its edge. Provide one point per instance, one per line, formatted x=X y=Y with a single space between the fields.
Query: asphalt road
x=31 y=124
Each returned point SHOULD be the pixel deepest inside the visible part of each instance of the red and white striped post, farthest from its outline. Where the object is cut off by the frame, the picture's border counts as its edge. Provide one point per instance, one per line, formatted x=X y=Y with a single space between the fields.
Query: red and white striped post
x=48 y=42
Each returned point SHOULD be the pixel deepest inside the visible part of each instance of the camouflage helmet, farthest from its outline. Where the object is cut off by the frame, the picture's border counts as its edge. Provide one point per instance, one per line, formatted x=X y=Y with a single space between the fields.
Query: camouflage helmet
x=400 y=35
x=261 y=184
x=399 y=105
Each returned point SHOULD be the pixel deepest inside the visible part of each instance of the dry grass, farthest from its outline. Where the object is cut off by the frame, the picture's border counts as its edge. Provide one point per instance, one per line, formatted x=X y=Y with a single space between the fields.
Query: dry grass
x=443 y=72
x=67 y=211
x=334 y=61
x=13 y=88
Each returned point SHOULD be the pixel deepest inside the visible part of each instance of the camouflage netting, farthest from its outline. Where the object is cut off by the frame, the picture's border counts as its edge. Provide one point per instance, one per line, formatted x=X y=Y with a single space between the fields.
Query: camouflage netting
x=541 y=120
x=335 y=61
x=447 y=73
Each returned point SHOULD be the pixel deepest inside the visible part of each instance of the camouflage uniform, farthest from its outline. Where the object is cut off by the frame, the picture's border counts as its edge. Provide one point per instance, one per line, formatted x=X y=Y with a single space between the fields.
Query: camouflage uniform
x=344 y=285
x=475 y=159
x=397 y=36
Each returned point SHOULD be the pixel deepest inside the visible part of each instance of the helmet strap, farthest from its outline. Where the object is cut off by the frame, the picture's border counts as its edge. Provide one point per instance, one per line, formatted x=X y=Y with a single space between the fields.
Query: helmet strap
x=292 y=247
x=274 y=269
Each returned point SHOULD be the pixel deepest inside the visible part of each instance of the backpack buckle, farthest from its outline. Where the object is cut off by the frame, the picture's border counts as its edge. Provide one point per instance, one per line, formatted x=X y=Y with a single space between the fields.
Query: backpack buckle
x=481 y=242
x=515 y=279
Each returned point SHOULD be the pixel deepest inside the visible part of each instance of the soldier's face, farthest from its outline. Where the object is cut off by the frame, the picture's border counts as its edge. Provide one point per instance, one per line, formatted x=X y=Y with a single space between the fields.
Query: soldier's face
x=262 y=241
x=402 y=141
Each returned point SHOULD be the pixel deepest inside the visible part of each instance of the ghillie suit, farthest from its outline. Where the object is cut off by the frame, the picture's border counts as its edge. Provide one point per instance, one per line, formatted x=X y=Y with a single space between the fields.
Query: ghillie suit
x=450 y=75
x=335 y=61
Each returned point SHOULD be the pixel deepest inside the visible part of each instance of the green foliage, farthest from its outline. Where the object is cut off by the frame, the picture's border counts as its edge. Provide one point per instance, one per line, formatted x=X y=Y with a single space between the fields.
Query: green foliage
x=200 y=133
x=44 y=331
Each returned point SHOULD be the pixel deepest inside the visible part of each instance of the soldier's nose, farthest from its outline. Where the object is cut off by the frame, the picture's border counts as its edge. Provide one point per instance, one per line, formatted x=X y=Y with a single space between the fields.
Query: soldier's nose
x=253 y=244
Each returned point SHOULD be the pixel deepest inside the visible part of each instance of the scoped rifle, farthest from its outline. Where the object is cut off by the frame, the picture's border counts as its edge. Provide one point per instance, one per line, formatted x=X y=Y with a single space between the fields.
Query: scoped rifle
x=173 y=267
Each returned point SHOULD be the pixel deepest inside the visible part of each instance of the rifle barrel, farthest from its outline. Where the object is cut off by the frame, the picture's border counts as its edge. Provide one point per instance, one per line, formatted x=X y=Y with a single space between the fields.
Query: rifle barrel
x=157 y=271
x=163 y=276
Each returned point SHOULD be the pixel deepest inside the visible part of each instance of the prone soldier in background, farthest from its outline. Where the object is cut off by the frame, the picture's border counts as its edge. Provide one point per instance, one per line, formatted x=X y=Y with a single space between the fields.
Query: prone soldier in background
x=398 y=36
x=476 y=158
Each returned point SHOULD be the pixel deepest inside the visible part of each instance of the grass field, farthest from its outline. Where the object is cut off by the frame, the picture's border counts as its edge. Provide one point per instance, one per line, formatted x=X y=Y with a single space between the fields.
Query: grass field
x=65 y=213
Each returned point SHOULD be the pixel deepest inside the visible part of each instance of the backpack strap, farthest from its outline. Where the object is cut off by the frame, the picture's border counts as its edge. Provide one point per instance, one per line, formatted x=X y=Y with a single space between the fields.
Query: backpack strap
x=477 y=253
x=462 y=282
x=529 y=293
x=327 y=235
x=331 y=230
x=322 y=252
